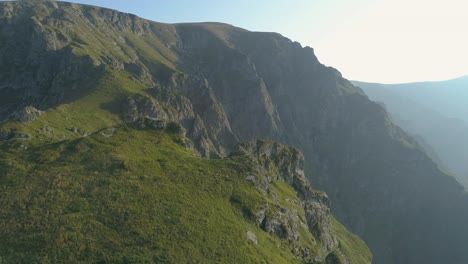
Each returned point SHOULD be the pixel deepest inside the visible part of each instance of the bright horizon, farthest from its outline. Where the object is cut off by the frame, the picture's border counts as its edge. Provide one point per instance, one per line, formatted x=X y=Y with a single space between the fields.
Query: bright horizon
x=374 y=41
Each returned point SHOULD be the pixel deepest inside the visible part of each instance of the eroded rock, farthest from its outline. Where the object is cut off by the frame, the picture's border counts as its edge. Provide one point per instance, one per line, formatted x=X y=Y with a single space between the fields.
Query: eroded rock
x=277 y=162
x=26 y=114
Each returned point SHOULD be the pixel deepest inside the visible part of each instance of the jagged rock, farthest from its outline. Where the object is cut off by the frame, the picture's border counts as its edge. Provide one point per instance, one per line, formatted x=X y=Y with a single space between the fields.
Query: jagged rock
x=284 y=223
x=289 y=161
x=26 y=115
x=261 y=214
x=175 y=128
x=139 y=106
x=318 y=216
x=131 y=112
x=113 y=62
x=277 y=162
x=200 y=112
x=147 y=122
x=141 y=73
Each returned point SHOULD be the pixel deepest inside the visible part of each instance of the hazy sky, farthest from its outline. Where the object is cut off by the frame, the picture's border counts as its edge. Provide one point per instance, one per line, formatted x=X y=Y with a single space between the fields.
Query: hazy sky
x=368 y=40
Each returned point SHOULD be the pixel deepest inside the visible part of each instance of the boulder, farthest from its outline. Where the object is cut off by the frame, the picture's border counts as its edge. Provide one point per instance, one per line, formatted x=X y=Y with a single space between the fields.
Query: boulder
x=26 y=114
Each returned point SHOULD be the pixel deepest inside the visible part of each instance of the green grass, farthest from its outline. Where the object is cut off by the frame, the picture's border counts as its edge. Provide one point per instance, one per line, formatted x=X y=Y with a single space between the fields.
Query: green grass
x=137 y=197
x=151 y=48
x=351 y=245
x=95 y=110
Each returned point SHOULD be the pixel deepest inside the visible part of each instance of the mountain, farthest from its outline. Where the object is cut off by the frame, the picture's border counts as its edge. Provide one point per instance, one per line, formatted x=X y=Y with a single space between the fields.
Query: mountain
x=445 y=97
x=95 y=166
x=72 y=74
x=435 y=112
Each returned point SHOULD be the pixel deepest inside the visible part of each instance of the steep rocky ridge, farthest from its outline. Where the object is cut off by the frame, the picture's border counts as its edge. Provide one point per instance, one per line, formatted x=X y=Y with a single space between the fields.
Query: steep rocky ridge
x=276 y=162
x=226 y=85
x=378 y=177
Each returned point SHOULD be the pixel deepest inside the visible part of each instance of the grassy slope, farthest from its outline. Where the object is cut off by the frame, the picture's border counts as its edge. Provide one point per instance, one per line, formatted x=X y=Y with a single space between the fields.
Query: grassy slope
x=351 y=245
x=94 y=111
x=134 y=197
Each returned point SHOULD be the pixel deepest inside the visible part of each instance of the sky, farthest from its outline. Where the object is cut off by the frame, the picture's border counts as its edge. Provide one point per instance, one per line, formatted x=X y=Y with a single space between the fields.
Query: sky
x=388 y=41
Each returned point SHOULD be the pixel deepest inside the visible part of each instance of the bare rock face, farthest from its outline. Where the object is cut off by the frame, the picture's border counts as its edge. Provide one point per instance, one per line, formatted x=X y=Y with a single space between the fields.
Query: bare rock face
x=284 y=223
x=139 y=106
x=289 y=161
x=26 y=114
x=190 y=102
x=378 y=179
x=317 y=213
x=277 y=162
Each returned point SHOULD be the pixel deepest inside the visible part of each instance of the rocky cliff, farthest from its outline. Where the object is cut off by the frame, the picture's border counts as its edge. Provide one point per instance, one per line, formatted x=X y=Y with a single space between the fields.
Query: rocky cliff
x=272 y=163
x=226 y=85
x=276 y=162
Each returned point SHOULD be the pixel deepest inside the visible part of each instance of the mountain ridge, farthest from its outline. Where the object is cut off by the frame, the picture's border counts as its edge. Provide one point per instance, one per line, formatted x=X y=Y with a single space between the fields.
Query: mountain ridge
x=225 y=86
x=447 y=135
x=93 y=144
x=462 y=77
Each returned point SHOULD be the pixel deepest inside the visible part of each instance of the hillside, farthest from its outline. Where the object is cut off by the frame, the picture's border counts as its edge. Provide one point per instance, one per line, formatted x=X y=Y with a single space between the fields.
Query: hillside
x=421 y=110
x=69 y=71
x=132 y=195
x=95 y=166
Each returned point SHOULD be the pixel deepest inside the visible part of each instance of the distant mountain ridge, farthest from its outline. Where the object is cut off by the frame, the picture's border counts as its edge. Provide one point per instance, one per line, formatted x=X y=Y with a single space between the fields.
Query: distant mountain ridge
x=73 y=72
x=429 y=109
x=445 y=97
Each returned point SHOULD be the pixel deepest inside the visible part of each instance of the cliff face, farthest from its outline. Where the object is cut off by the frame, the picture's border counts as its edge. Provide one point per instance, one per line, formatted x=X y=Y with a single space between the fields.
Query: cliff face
x=273 y=164
x=276 y=162
x=380 y=182
x=50 y=73
x=226 y=85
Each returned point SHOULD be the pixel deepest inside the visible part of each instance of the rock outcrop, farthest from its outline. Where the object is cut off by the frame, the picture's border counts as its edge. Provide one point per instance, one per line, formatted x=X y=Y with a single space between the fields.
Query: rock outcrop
x=26 y=115
x=272 y=162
